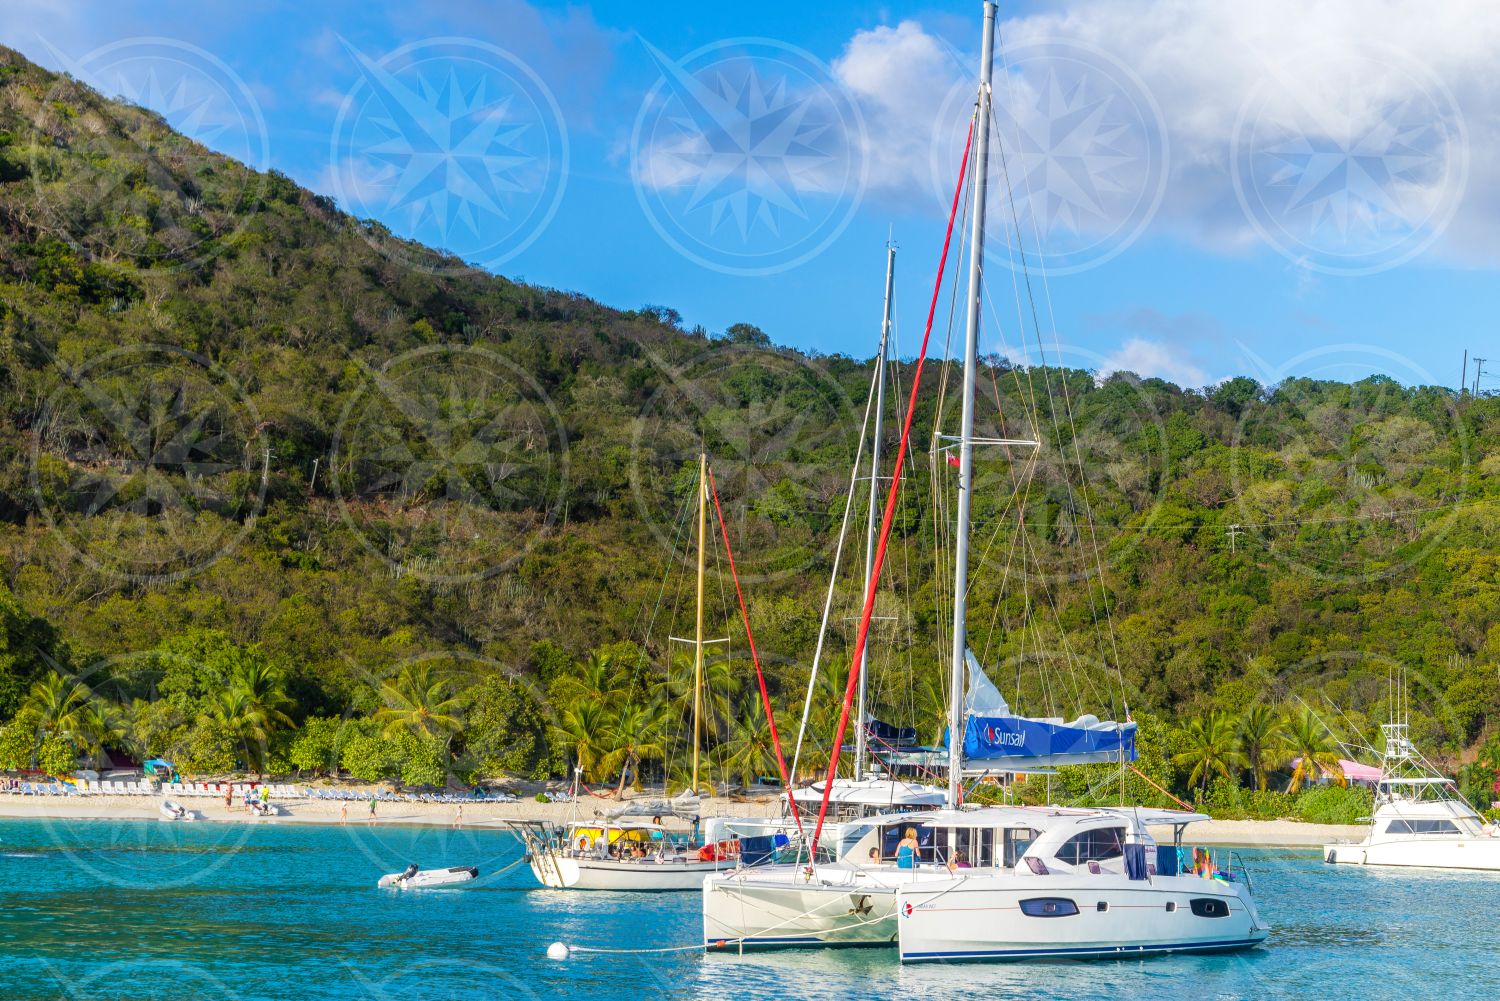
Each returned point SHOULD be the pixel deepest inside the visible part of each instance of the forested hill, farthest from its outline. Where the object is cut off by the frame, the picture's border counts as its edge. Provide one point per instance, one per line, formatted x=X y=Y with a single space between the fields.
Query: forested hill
x=277 y=486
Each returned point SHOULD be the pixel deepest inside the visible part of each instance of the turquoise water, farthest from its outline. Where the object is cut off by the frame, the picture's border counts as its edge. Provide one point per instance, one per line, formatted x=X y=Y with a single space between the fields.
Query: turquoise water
x=136 y=910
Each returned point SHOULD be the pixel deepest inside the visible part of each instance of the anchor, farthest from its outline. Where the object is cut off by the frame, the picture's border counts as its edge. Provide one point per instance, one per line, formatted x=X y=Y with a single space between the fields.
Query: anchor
x=861 y=905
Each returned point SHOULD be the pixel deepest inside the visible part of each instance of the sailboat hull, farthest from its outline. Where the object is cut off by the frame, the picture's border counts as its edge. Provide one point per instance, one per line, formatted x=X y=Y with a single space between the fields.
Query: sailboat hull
x=1016 y=917
x=563 y=872
x=781 y=907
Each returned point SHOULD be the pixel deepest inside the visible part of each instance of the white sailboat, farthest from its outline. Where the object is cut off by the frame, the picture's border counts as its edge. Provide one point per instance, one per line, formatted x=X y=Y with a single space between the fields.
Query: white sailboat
x=621 y=853
x=854 y=802
x=1419 y=821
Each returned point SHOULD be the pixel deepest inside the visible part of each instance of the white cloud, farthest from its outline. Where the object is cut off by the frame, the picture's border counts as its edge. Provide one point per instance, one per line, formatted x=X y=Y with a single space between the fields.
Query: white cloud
x=1373 y=78
x=1150 y=359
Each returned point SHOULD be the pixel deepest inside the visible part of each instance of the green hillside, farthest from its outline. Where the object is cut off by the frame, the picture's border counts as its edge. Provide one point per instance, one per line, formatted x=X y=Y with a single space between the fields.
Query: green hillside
x=279 y=490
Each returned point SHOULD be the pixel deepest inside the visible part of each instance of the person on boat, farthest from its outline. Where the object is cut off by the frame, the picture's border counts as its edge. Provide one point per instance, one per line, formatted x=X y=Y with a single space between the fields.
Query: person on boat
x=874 y=855
x=583 y=844
x=960 y=860
x=906 y=851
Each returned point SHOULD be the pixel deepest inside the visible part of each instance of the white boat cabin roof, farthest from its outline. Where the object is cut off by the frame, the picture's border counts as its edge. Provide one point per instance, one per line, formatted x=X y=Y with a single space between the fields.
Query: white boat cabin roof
x=872 y=792
x=1041 y=818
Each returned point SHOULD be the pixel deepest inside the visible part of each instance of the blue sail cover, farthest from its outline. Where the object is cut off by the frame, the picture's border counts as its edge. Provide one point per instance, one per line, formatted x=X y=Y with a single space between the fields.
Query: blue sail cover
x=992 y=733
x=1032 y=743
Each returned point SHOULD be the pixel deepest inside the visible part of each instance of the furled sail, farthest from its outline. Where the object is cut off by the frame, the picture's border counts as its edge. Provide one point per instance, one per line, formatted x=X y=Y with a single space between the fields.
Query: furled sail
x=994 y=736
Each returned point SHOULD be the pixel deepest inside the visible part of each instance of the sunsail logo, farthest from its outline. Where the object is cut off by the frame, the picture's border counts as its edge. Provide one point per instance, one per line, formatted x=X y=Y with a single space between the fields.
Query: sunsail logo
x=993 y=736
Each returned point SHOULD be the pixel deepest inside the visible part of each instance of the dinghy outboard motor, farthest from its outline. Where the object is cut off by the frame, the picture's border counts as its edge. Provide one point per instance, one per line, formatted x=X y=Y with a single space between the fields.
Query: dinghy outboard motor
x=411 y=871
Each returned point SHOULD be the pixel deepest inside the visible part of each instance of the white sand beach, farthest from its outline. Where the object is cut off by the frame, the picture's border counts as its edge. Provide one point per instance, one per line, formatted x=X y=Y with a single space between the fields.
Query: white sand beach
x=1233 y=833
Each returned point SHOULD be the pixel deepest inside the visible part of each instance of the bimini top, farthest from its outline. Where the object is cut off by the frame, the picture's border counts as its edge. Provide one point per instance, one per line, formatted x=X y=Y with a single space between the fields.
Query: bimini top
x=872 y=792
x=1040 y=818
x=993 y=734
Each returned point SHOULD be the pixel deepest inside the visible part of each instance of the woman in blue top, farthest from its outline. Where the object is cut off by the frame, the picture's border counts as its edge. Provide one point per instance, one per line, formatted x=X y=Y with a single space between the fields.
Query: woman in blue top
x=906 y=851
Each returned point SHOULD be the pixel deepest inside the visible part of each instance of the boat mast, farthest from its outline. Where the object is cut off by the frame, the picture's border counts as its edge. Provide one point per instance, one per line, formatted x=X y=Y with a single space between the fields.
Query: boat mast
x=871 y=527
x=698 y=636
x=966 y=425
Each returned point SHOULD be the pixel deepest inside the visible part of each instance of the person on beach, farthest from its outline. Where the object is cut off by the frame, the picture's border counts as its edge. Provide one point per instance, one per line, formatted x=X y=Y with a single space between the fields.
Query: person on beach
x=906 y=851
x=343 y=814
x=372 y=810
x=228 y=798
x=458 y=817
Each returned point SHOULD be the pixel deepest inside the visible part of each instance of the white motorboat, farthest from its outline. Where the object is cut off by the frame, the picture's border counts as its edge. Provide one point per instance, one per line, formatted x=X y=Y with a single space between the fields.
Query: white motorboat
x=1042 y=882
x=415 y=878
x=170 y=810
x=1419 y=820
x=618 y=855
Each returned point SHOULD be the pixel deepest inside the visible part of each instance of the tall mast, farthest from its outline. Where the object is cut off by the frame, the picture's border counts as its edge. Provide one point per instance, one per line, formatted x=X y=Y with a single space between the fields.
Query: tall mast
x=871 y=528
x=698 y=636
x=966 y=425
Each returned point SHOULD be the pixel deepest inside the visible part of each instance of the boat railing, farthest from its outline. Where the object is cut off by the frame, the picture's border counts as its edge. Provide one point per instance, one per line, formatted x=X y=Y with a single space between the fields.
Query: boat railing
x=1244 y=872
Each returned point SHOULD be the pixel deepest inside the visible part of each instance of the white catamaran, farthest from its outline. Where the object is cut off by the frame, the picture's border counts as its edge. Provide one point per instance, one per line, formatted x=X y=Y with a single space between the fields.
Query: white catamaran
x=1004 y=882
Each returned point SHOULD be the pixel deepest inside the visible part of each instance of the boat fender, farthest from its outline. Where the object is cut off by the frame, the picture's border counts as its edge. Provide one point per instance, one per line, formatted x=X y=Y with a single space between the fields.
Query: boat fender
x=583 y=844
x=558 y=951
x=707 y=853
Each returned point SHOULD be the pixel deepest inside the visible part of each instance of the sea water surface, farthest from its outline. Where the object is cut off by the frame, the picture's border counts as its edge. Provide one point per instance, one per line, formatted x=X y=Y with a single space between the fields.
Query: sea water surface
x=147 y=910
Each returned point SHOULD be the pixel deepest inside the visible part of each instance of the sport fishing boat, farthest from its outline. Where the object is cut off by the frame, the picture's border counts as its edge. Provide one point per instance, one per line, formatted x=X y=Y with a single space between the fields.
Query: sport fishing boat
x=1420 y=820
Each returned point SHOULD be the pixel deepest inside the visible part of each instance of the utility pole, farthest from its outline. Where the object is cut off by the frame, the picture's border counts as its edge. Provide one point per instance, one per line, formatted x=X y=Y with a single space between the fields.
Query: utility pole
x=1234 y=533
x=1463 y=381
x=1478 y=371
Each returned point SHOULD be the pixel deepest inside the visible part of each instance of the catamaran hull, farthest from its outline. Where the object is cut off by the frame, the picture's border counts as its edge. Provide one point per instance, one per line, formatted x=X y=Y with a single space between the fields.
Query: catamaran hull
x=561 y=872
x=986 y=920
x=1430 y=853
x=751 y=914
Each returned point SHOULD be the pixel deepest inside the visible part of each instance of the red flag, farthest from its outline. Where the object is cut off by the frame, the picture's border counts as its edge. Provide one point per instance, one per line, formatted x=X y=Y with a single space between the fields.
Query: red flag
x=953 y=461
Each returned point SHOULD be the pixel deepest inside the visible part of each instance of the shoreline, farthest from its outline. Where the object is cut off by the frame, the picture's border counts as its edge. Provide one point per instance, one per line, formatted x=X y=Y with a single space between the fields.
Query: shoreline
x=493 y=816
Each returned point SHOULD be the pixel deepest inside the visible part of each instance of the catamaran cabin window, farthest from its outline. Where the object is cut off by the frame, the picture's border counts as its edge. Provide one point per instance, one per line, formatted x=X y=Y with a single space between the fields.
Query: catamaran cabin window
x=1017 y=840
x=1093 y=846
x=1421 y=827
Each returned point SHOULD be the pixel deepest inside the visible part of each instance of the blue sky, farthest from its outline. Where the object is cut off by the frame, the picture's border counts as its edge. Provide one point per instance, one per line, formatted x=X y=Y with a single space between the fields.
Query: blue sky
x=1206 y=192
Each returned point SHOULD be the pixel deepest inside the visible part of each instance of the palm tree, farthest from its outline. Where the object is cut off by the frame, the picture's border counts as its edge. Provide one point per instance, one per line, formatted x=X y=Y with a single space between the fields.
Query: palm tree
x=1313 y=748
x=420 y=701
x=1260 y=739
x=635 y=736
x=1211 y=749
x=600 y=677
x=252 y=707
x=63 y=705
x=584 y=727
x=751 y=753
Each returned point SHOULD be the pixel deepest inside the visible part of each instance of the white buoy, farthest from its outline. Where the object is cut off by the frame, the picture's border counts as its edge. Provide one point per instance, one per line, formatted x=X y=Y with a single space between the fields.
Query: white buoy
x=557 y=950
